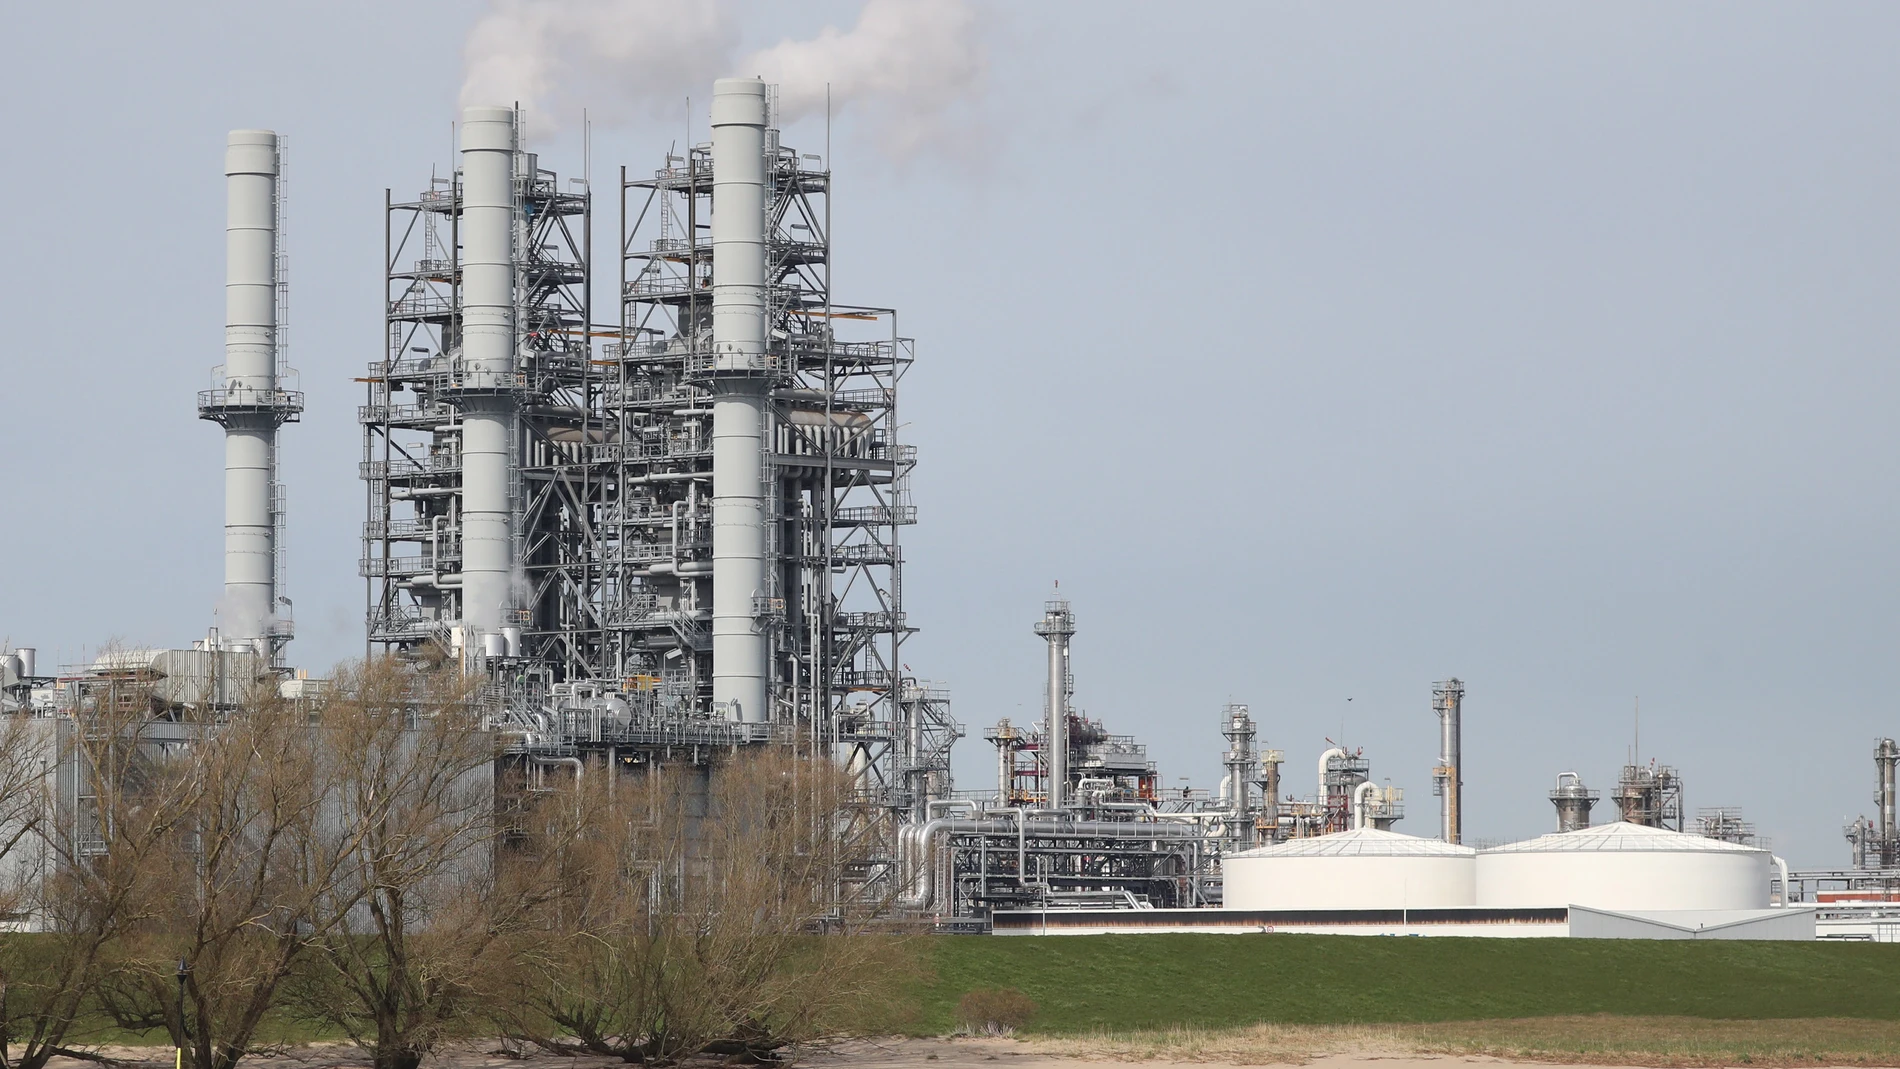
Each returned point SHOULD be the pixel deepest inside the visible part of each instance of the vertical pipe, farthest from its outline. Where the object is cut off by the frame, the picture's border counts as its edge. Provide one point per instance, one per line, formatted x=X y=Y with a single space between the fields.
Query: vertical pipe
x=1886 y=757
x=488 y=359
x=1270 y=795
x=1058 y=728
x=1005 y=761
x=1447 y=778
x=738 y=360
x=250 y=414
x=1057 y=626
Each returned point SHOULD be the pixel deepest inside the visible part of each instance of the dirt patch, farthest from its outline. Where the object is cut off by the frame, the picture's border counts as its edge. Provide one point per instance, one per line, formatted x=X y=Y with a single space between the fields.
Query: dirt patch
x=1666 y=1042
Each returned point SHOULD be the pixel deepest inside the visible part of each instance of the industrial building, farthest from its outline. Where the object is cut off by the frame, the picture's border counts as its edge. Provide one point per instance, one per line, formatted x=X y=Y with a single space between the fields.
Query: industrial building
x=661 y=527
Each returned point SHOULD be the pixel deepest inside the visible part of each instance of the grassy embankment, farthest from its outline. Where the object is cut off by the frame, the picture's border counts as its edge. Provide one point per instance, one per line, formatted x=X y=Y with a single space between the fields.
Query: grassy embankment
x=1254 y=998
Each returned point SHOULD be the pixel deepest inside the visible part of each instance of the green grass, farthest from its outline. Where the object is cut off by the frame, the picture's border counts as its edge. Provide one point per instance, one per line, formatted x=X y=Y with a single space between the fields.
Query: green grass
x=1087 y=984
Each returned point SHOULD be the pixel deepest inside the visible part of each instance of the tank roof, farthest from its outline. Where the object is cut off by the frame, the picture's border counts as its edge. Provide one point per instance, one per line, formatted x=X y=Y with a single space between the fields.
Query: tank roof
x=1361 y=842
x=1622 y=836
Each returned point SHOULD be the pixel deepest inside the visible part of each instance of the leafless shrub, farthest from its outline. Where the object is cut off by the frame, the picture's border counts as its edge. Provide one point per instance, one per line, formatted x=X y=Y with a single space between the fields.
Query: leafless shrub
x=996 y=1012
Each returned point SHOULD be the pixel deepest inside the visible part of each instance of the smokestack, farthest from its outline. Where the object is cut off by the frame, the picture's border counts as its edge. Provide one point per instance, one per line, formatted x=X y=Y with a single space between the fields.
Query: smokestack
x=1057 y=626
x=739 y=369
x=248 y=402
x=1447 y=779
x=487 y=372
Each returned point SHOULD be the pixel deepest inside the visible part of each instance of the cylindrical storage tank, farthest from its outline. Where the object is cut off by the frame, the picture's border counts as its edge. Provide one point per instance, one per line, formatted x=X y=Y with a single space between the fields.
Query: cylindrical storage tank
x=1623 y=866
x=1360 y=869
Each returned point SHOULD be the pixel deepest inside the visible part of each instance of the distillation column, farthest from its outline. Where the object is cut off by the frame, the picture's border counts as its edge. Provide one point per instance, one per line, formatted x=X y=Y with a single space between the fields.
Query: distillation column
x=739 y=387
x=1886 y=758
x=1573 y=801
x=1238 y=729
x=1447 y=779
x=1057 y=626
x=249 y=403
x=488 y=358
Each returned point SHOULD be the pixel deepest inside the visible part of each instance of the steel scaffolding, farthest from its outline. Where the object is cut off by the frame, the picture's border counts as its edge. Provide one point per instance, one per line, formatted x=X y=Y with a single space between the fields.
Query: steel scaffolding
x=607 y=643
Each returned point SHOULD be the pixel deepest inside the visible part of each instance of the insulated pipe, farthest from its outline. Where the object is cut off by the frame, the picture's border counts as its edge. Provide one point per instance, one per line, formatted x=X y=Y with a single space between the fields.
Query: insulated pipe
x=738 y=358
x=1359 y=803
x=1787 y=893
x=488 y=361
x=250 y=382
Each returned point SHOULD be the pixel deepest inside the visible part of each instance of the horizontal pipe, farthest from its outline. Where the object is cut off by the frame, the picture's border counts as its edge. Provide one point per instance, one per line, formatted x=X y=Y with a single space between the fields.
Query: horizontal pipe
x=405 y=493
x=921 y=844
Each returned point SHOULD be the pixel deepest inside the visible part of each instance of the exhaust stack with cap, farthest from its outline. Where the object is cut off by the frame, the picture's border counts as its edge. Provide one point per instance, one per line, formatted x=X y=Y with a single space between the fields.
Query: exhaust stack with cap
x=739 y=367
x=249 y=401
x=487 y=371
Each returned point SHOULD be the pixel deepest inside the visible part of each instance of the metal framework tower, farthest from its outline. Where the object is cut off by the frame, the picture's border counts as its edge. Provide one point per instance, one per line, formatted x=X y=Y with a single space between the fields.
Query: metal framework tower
x=674 y=533
x=481 y=495
x=753 y=569
x=247 y=397
x=1875 y=841
x=1650 y=795
x=1448 y=783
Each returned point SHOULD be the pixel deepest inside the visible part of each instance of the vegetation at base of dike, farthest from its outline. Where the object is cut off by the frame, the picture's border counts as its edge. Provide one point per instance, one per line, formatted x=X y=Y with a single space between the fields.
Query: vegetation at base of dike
x=1114 y=983
x=352 y=868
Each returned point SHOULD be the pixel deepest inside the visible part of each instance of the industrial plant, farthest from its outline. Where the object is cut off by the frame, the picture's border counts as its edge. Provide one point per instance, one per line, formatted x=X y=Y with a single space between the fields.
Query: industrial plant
x=655 y=530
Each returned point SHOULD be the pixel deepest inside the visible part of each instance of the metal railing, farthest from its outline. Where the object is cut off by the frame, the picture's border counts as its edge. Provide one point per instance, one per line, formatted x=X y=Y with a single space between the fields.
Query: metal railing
x=233 y=398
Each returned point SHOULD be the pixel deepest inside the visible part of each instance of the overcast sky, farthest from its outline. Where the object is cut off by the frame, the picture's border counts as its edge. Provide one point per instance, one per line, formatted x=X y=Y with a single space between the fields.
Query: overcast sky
x=1320 y=350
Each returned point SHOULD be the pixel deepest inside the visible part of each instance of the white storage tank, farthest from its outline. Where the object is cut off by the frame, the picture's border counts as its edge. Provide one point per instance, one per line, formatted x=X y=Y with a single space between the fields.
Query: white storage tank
x=1361 y=869
x=1624 y=866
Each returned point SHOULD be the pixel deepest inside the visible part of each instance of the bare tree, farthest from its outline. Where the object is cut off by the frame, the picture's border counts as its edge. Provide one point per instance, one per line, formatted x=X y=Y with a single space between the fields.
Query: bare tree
x=413 y=812
x=677 y=932
x=238 y=889
x=81 y=877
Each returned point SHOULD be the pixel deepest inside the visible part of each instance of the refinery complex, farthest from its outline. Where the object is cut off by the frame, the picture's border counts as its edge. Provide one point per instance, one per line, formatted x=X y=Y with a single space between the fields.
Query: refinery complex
x=658 y=531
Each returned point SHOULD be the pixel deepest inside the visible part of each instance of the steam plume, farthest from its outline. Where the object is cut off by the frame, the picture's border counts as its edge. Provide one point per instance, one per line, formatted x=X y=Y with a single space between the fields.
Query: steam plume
x=621 y=59
x=907 y=64
x=908 y=61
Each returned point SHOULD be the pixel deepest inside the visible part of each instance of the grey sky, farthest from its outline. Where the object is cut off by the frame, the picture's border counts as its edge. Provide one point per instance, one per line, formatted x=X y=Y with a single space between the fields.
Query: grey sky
x=1320 y=350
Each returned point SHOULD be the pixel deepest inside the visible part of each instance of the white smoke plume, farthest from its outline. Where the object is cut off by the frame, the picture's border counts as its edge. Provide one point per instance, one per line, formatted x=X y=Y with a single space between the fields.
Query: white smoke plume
x=621 y=59
x=907 y=64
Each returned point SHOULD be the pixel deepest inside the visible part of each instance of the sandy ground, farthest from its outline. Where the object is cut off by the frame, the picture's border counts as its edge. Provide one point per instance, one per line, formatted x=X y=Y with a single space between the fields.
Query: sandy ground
x=974 y=1053
x=892 y=1053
